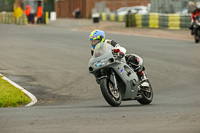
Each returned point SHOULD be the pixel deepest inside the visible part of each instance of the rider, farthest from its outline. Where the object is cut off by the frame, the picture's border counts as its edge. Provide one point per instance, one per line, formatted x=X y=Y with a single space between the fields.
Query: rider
x=98 y=36
x=195 y=14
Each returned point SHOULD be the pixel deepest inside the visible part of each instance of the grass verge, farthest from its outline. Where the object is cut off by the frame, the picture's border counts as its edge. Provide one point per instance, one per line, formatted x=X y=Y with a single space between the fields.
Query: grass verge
x=11 y=96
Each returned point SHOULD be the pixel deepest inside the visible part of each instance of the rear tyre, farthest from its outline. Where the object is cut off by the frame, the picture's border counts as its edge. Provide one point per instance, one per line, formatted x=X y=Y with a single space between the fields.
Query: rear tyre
x=111 y=95
x=146 y=93
x=196 y=38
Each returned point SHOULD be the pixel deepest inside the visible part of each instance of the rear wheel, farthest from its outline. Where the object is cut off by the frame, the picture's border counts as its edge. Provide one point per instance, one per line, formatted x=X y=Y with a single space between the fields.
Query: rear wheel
x=196 y=38
x=146 y=92
x=111 y=95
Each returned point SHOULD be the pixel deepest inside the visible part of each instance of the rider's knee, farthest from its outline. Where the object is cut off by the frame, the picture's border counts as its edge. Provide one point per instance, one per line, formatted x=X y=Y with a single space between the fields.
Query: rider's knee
x=133 y=60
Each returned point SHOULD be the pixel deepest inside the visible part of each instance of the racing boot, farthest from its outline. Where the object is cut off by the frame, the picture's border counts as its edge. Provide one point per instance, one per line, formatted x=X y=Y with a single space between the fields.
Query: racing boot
x=140 y=73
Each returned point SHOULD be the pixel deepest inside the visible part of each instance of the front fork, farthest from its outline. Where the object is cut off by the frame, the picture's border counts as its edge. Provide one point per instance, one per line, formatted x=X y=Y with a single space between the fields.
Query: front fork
x=112 y=78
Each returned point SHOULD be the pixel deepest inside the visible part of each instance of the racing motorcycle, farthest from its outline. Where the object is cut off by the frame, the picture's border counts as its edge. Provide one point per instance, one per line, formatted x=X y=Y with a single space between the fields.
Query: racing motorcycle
x=196 y=30
x=118 y=81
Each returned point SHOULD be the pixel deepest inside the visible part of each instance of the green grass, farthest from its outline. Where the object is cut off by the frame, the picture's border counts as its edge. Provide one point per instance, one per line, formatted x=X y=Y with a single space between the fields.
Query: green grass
x=11 y=96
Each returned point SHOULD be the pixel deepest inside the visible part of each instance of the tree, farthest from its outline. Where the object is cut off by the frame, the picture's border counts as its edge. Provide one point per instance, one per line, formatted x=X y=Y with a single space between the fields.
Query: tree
x=6 y=5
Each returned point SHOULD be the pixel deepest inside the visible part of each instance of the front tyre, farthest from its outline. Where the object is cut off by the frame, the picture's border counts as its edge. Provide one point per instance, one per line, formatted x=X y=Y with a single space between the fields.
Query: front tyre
x=111 y=95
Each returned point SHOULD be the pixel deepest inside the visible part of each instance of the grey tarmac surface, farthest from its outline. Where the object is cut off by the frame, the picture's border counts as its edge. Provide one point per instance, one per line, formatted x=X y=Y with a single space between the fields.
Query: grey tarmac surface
x=51 y=62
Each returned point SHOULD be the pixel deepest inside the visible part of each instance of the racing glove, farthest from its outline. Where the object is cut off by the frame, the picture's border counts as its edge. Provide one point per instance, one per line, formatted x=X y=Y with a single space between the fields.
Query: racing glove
x=118 y=53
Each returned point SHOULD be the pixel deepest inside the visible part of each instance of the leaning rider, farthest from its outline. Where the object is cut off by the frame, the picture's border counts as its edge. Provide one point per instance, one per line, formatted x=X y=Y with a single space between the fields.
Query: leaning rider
x=195 y=15
x=98 y=36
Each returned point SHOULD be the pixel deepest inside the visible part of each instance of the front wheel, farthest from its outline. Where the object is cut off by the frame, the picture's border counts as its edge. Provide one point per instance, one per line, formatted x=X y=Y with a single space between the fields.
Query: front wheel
x=147 y=93
x=111 y=95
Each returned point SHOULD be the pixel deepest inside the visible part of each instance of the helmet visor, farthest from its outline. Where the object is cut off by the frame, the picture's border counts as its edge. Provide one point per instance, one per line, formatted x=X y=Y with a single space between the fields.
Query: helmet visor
x=94 y=42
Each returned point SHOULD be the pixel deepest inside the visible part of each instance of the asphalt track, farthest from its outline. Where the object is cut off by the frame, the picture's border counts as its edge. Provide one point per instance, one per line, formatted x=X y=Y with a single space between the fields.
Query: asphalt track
x=51 y=63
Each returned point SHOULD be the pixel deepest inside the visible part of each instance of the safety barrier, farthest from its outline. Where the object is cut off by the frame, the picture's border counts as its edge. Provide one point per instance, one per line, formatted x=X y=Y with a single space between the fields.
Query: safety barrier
x=103 y=16
x=23 y=20
x=112 y=17
x=130 y=20
x=163 y=20
x=8 y=18
x=3 y=18
x=155 y=20
x=47 y=18
x=151 y=20
x=145 y=21
x=185 y=21
x=174 y=21
x=138 y=20
x=121 y=18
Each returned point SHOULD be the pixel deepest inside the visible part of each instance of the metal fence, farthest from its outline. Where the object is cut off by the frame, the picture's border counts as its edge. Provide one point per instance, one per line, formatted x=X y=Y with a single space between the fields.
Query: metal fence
x=173 y=6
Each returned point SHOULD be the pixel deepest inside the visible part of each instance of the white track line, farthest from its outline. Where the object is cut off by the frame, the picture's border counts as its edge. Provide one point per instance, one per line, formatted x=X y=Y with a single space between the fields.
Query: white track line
x=33 y=98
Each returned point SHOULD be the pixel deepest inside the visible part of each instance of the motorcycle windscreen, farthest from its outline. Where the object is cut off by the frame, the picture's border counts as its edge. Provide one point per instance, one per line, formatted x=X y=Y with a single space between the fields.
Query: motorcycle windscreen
x=101 y=49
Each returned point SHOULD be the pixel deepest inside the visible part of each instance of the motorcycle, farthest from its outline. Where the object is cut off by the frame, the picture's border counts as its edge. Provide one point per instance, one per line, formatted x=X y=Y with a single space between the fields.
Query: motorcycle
x=196 y=30
x=118 y=81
